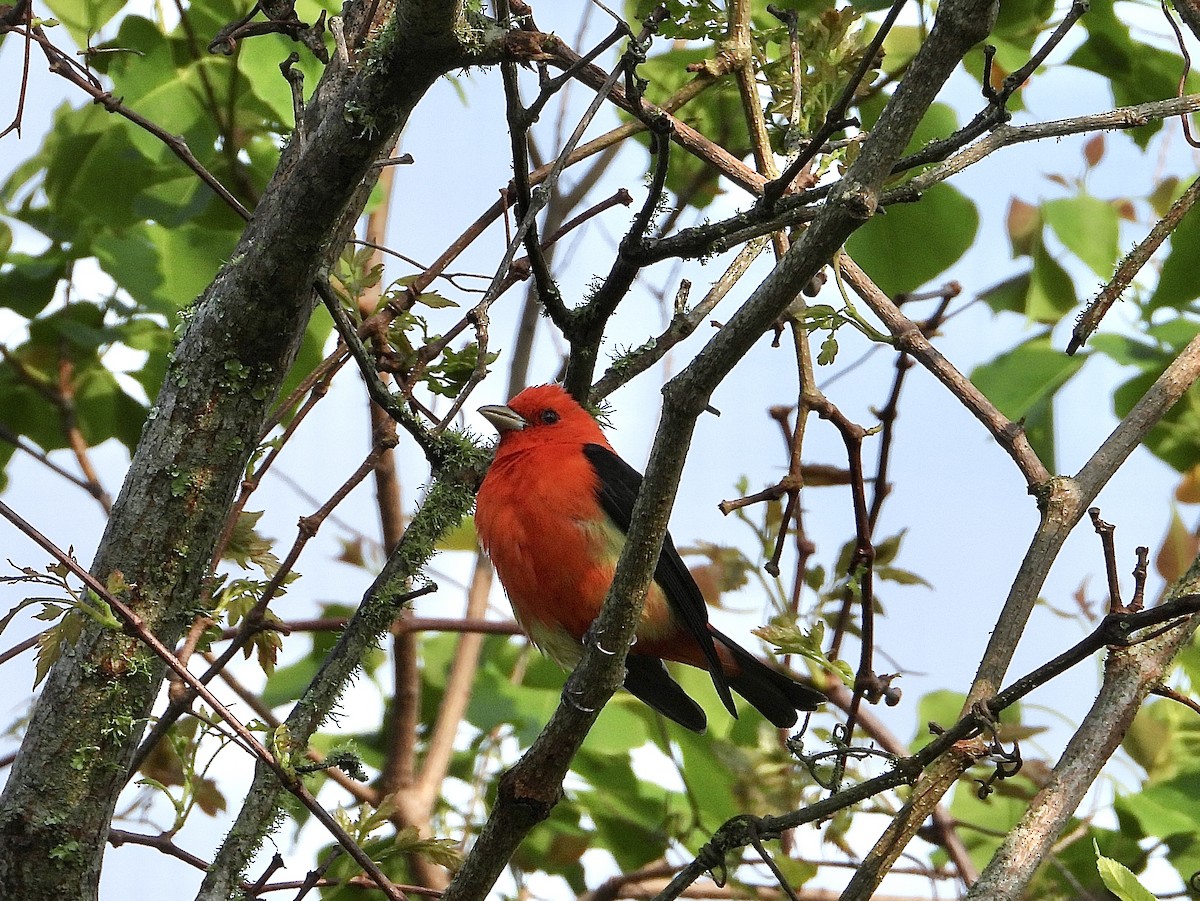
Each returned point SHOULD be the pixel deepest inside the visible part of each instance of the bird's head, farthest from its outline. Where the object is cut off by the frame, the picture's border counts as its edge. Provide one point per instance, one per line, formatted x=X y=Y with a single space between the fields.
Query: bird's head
x=543 y=414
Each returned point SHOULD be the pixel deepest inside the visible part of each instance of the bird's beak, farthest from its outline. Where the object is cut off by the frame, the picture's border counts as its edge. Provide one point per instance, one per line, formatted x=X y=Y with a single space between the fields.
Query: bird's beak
x=505 y=419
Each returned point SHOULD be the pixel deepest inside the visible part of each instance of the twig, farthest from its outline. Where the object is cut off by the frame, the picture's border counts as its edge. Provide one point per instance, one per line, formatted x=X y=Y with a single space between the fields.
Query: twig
x=163 y=842
x=60 y=395
x=21 y=647
x=1128 y=675
x=1166 y=691
x=586 y=329
x=250 y=484
x=439 y=748
x=796 y=209
x=20 y=11
x=518 y=270
x=375 y=386
x=357 y=790
x=1089 y=320
x=682 y=325
x=65 y=395
x=6 y=434
x=1139 y=578
x=254 y=620
x=911 y=340
x=1105 y=530
x=1187 y=64
x=862 y=561
x=705 y=77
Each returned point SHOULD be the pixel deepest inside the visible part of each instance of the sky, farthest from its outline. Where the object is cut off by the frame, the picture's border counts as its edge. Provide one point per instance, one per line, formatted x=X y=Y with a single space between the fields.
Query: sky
x=957 y=495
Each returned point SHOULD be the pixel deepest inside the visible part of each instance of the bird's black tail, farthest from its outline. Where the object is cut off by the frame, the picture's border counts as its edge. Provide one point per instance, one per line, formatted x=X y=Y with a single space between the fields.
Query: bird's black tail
x=776 y=695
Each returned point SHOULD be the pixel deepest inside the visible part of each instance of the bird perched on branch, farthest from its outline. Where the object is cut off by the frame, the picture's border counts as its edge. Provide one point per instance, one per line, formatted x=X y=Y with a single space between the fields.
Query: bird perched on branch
x=553 y=512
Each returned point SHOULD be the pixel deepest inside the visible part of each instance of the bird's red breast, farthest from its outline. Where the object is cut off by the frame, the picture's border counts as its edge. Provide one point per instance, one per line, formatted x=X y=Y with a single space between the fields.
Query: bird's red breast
x=553 y=546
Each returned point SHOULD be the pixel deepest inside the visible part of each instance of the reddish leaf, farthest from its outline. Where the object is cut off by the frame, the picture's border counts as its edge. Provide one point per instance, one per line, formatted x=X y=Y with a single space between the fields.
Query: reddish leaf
x=1024 y=222
x=1188 y=489
x=1178 y=549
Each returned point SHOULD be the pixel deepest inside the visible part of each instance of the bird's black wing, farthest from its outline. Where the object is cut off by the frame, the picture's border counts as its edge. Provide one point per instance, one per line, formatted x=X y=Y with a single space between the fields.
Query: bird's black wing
x=647 y=678
x=618 y=488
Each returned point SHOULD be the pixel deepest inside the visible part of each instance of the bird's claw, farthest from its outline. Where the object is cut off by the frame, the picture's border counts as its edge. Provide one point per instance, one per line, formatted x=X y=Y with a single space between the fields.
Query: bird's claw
x=568 y=697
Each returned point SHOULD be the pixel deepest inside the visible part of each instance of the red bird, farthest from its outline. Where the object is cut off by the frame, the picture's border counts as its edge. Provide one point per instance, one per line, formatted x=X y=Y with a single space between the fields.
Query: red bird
x=552 y=514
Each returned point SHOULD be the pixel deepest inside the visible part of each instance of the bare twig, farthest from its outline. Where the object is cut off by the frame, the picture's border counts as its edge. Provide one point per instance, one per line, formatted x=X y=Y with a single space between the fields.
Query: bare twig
x=163 y=842
x=1089 y=320
x=20 y=11
x=911 y=340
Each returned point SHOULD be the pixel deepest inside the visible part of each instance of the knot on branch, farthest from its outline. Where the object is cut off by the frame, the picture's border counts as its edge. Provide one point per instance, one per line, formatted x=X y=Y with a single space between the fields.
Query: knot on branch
x=858 y=201
x=531 y=794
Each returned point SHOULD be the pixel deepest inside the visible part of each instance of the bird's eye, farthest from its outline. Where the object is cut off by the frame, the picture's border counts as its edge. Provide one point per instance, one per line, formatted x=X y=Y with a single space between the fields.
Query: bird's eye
x=549 y=417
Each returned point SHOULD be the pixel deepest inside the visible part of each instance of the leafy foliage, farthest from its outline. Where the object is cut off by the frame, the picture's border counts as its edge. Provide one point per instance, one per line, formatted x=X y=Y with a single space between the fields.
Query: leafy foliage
x=110 y=242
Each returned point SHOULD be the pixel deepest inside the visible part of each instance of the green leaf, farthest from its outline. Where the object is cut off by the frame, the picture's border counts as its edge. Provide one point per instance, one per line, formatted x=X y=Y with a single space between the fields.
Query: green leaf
x=619 y=729
x=686 y=19
x=1009 y=295
x=1119 y=880
x=1164 y=737
x=1020 y=378
x=939 y=707
x=1051 y=291
x=556 y=847
x=710 y=778
x=939 y=121
x=28 y=282
x=900 y=576
x=1127 y=351
x=1166 y=808
x=788 y=638
x=1088 y=227
x=1022 y=21
x=51 y=643
x=984 y=822
x=908 y=245
x=287 y=683
x=1022 y=384
x=435 y=301
x=248 y=548
x=634 y=819
x=94 y=174
x=164 y=269
x=271 y=93
x=1176 y=437
x=105 y=410
x=83 y=18
x=717 y=114
x=461 y=537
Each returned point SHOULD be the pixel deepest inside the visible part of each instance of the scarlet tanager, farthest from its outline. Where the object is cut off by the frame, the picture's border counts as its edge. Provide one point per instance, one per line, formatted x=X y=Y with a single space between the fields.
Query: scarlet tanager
x=552 y=514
